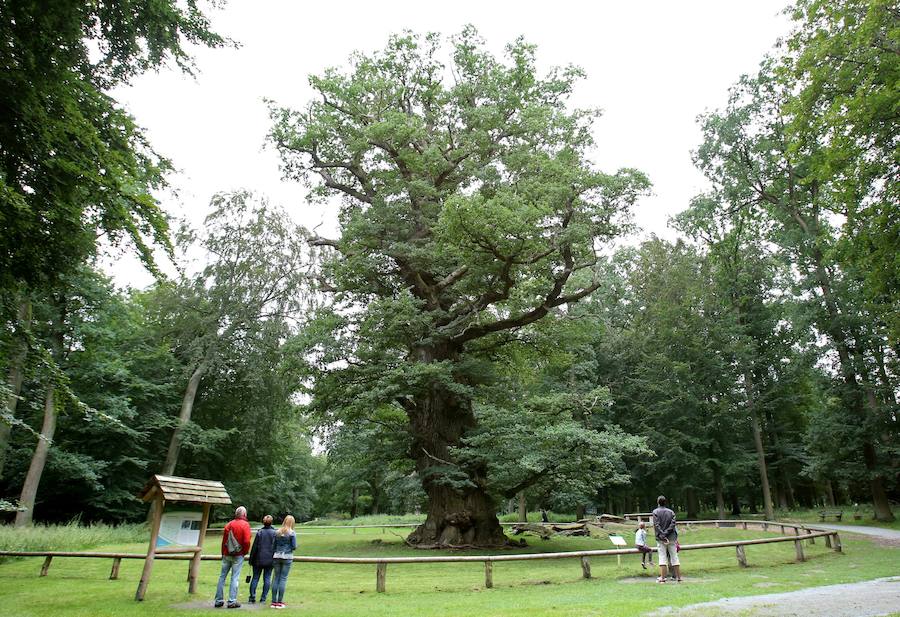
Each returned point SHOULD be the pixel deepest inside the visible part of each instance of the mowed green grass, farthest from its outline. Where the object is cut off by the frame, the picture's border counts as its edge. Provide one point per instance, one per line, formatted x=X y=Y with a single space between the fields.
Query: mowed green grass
x=80 y=587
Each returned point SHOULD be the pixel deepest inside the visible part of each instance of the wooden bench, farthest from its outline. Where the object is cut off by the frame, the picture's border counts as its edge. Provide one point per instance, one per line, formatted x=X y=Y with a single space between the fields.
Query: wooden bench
x=837 y=514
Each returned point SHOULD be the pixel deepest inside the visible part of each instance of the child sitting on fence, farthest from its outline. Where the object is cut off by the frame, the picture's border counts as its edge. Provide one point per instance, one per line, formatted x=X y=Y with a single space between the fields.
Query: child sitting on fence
x=640 y=541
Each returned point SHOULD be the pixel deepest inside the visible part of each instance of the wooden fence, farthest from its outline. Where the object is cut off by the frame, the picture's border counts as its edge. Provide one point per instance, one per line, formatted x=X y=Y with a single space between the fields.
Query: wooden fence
x=831 y=538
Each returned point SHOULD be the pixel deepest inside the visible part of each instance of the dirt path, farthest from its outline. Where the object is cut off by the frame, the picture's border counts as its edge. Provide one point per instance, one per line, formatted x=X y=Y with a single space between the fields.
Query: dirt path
x=866 y=599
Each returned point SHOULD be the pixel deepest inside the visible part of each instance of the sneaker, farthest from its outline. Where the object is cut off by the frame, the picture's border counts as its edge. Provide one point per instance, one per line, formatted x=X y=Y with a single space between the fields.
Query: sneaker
x=219 y=603
x=234 y=605
x=252 y=600
x=643 y=565
x=660 y=580
x=273 y=605
x=282 y=605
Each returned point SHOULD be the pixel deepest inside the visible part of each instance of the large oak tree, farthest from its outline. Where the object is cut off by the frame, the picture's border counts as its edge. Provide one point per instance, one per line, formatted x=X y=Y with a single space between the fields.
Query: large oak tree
x=469 y=210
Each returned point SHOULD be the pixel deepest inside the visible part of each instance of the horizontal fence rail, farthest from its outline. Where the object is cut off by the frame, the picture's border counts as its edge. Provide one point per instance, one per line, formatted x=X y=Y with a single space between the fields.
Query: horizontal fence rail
x=809 y=533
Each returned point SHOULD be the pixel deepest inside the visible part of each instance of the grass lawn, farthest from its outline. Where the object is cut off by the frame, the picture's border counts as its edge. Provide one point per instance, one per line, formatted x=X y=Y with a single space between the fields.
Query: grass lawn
x=79 y=587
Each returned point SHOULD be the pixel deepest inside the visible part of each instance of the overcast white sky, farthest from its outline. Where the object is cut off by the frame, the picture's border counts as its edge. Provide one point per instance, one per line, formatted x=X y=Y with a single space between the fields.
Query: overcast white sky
x=652 y=66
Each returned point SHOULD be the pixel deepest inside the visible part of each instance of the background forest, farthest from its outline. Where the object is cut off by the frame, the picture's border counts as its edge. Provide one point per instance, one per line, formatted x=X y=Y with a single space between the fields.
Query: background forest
x=487 y=287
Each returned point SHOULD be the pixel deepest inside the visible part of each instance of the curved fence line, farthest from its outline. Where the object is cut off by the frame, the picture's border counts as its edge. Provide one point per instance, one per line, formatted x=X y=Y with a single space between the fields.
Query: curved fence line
x=831 y=537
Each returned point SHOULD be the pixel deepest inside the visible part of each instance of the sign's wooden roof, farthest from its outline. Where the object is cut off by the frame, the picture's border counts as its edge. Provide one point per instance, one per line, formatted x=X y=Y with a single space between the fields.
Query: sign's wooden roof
x=189 y=490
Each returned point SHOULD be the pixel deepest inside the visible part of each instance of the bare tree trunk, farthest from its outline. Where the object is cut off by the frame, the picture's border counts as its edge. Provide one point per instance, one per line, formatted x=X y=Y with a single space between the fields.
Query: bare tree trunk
x=187 y=407
x=48 y=430
x=523 y=509
x=16 y=375
x=579 y=512
x=38 y=461
x=761 y=464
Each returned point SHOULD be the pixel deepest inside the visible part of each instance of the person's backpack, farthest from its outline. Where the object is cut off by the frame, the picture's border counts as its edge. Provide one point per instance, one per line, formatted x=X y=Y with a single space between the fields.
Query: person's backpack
x=232 y=545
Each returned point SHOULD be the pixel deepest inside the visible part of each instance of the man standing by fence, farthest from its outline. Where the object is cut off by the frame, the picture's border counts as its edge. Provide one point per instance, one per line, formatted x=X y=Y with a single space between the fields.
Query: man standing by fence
x=666 y=540
x=235 y=546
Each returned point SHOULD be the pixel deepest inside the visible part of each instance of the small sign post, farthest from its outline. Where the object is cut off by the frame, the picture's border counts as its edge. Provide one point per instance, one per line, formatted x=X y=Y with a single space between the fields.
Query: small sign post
x=180 y=528
x=618 y=541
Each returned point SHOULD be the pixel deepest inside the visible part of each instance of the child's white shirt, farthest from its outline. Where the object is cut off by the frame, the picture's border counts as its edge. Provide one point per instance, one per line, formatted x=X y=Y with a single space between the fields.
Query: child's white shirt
x=640 y=538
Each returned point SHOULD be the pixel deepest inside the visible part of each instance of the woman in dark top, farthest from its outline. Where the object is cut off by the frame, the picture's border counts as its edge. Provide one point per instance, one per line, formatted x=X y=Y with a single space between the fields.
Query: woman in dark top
x=262 y=558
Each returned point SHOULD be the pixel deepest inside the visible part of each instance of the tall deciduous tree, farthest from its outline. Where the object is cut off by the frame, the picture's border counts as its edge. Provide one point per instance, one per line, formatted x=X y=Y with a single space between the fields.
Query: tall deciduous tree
x=255 y=276
x=469 y=211
x=843 y=59
x=74 y=166
x=757 y=166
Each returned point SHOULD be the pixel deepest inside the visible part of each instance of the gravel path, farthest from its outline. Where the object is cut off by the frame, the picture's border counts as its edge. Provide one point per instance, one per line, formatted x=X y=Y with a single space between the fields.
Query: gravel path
x=866 y=599
x=888 y=534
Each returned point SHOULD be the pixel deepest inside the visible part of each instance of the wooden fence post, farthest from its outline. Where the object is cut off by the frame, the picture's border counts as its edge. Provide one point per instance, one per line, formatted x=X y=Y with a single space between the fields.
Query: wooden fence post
x=114 y=573
x=585 y=567
x=46 y=565
x=745 y=524
x=380 y=576
x=765 y=527
x=741 y=556
x=798 y=546
x=811 y=540
x=488 y=574
x=837 y=543
x=194 y=568
x=827 y=541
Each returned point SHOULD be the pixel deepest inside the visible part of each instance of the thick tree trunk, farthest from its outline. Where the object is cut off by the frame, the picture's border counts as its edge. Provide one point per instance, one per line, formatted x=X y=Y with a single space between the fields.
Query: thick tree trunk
x=187 y=407
x=354 y=499
x=376 y=496
x=829 y=493
x=693 y=505
x=523 y=508
x=880 y=503
x=780 y=495
x=720 y=496
x=15 y=376
x=579 y=512
x=735 y=505
x=38 y=461
x=460 y=511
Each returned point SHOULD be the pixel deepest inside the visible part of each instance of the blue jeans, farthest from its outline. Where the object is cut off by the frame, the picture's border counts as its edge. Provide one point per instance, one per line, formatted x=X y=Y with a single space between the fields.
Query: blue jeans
x=266 y=572
x=279 y=582
x=234 y=564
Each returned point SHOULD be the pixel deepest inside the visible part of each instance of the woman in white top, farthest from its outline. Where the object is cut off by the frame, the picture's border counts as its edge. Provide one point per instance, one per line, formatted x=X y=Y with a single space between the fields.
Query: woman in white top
x=640 y=541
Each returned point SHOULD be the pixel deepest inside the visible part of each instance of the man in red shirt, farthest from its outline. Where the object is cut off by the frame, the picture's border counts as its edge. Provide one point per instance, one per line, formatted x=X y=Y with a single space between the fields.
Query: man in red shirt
x=235 y=546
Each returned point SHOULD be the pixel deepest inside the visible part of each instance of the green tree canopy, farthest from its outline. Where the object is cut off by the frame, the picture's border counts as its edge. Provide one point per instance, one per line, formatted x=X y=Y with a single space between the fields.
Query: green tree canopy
x=469 y=210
